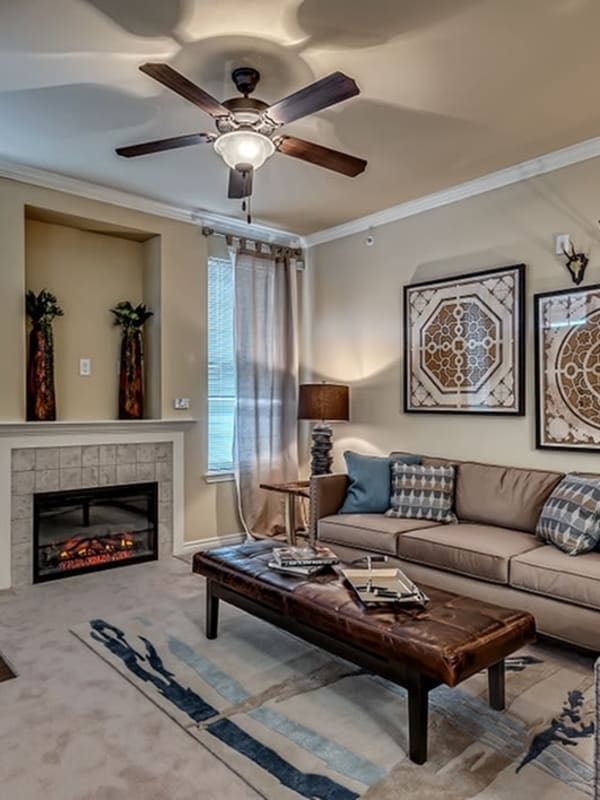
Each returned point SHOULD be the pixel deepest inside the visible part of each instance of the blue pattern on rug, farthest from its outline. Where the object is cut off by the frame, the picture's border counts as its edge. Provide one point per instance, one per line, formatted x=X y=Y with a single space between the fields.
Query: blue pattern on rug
x=185 y=699
x=309 y=785
x=564 y=729
x=520 y=663
x=501 y=732
x=337 y=757
x=226 y=686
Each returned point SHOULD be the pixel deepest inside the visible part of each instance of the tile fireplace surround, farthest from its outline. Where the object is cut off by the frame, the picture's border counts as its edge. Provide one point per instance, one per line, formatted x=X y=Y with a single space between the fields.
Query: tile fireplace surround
x=46 y=457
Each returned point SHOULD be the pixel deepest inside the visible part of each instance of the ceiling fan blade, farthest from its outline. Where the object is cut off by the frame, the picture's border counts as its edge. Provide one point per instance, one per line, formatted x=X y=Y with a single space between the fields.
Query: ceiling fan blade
x=323 y=93
x=159 y=145
x=240 y=181
x=173 y=80
x=321 y=156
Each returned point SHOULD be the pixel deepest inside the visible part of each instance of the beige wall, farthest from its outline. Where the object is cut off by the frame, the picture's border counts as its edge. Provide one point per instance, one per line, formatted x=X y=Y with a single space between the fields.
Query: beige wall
x=210 y=509
x=355 y=312
x=88 y=273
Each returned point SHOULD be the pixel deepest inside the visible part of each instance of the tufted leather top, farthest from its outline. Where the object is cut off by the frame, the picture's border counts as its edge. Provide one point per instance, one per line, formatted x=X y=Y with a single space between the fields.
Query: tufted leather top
x=451 y=639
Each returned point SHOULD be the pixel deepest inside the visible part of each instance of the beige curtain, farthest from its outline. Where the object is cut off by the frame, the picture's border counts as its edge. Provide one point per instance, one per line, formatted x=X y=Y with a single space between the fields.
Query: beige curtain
x=265 y=438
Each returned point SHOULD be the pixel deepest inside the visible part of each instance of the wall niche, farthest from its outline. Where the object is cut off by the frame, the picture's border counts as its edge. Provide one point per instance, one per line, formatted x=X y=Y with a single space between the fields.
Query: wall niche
x=91 y=265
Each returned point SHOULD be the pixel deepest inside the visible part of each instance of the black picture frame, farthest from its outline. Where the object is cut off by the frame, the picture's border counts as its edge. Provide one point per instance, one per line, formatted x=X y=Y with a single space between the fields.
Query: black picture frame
x=541 y=442
x=519 y=315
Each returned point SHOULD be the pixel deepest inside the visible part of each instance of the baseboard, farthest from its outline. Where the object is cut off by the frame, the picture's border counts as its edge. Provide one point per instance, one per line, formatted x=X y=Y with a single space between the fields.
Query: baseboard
x=213 y=541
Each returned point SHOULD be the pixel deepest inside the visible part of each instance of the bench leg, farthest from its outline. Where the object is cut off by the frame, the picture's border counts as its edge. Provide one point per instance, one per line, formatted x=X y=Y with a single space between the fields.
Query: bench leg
x=496 y=688
x=212 y=611
x=418 y=702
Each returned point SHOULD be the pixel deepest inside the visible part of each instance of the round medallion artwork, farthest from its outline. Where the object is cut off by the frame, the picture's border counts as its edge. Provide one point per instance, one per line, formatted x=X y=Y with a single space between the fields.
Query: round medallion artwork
x=578 y=370
x=461 y=345
x=568 y=369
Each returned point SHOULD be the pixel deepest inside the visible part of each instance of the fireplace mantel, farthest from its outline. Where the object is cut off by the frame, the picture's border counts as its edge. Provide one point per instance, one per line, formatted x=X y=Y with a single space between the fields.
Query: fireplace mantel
x=61 y=427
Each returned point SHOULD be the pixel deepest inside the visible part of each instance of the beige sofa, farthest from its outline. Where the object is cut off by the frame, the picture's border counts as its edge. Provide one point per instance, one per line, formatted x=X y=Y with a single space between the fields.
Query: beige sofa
x=491 y=553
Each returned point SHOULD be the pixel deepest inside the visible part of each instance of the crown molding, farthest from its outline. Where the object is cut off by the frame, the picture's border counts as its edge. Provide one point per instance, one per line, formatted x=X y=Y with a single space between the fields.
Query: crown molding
x=146 y=205
x=486 y=183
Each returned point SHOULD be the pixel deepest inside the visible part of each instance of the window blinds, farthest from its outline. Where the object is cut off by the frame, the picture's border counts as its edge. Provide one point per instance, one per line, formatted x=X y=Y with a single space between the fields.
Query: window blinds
x=221 y=365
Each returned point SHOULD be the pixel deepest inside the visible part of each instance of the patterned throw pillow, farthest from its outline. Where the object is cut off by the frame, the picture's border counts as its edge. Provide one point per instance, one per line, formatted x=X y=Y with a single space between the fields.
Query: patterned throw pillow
x=420 y=492
x=570 y=518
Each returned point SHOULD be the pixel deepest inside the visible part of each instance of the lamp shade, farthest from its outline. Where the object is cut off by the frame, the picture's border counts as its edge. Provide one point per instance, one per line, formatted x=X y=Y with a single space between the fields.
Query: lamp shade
x=324 y=401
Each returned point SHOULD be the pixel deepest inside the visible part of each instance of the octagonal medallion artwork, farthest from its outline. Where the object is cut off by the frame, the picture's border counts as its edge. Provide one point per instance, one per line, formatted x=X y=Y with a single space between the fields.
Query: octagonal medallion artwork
x=464 y=344
x=567 y=326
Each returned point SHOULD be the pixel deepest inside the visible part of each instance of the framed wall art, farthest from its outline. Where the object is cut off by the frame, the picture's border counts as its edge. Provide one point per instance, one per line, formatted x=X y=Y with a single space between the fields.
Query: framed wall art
x=464 y=343
x=567 y=368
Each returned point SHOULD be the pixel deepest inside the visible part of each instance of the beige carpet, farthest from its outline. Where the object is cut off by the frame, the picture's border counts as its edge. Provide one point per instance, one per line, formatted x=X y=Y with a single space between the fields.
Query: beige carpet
x=72 y=728
x=6 y=672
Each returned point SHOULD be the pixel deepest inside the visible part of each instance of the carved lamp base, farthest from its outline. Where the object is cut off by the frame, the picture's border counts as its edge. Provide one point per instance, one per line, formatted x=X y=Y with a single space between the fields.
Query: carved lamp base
x=321 y=458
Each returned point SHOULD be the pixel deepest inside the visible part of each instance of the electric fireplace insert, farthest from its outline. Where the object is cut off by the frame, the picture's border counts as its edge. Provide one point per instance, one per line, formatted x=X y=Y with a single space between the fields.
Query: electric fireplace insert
x=84 y=530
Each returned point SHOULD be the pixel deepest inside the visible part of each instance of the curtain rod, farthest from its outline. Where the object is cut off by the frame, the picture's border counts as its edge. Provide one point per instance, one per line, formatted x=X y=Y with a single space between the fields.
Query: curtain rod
x=230 y=238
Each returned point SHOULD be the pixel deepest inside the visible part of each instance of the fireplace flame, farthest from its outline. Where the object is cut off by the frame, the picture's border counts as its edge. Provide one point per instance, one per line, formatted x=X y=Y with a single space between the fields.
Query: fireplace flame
x=92 y=551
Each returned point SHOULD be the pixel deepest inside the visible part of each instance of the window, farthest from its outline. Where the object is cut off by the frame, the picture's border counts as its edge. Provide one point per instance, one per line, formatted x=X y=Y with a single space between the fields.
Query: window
x=221 y=365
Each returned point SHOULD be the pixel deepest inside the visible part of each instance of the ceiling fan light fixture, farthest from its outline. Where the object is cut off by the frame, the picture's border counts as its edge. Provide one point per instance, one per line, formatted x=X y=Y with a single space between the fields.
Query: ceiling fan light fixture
x=244 y=147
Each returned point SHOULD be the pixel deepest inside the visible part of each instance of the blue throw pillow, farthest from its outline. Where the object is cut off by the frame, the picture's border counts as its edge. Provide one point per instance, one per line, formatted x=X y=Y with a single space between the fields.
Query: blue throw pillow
x=370 y=482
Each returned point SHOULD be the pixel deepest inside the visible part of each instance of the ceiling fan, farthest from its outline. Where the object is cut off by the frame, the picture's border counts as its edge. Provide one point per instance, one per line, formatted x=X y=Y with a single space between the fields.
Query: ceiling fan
x=248 y=128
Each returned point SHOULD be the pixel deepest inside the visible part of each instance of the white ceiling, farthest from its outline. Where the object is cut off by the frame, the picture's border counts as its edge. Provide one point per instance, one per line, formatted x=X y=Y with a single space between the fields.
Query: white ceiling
x=450 y=90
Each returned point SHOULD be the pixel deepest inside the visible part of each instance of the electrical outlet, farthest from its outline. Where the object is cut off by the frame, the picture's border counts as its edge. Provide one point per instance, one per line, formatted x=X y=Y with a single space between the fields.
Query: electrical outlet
x=563 y=242
x=85 y=367
x=181 y=403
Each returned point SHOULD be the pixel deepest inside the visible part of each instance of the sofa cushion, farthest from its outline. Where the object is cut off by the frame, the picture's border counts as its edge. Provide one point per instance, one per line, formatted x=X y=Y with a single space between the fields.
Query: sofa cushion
x=507 y=497
x=420 y=492
x=570 y=518
x=480 y=551
x=370 y=482
x=373 y=532
x=552 y=573
x=429 y=461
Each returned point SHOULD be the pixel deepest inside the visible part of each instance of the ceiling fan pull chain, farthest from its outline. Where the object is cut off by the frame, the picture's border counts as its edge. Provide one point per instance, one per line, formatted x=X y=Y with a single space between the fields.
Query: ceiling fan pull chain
x=249 y=216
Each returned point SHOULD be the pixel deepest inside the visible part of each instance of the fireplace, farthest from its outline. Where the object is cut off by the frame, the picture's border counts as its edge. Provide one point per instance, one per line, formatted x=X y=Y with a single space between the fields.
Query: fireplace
x=84 y=530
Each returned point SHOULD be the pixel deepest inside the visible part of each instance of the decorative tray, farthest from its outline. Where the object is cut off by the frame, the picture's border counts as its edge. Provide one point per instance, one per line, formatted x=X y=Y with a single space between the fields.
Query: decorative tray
x=383 y=586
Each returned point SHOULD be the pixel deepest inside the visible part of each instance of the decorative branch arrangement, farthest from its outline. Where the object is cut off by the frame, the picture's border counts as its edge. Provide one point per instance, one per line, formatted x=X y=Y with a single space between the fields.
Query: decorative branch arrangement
x=131 y=375
x=42 y=309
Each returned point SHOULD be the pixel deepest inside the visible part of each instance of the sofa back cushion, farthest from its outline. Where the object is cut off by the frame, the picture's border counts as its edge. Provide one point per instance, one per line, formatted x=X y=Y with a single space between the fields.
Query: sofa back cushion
x=507 y=497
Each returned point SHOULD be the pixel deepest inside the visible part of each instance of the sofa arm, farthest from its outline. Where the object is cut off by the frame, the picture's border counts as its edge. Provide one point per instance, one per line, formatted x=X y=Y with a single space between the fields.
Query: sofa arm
x=327 y=493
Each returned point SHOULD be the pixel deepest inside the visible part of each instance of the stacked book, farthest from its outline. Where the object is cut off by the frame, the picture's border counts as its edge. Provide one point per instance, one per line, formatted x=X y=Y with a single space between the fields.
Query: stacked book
x=304 y=561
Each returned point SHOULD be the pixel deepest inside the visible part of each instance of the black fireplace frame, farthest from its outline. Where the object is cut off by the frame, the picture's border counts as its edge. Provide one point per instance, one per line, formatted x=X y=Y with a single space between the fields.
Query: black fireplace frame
x=94 y=493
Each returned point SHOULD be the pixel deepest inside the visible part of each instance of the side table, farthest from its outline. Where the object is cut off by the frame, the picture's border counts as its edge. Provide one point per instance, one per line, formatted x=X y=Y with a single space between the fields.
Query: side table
x=292 y=490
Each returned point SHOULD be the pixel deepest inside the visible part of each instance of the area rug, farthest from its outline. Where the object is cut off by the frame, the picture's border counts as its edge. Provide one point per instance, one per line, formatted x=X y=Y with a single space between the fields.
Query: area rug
x=295 y=722
x=6 y=672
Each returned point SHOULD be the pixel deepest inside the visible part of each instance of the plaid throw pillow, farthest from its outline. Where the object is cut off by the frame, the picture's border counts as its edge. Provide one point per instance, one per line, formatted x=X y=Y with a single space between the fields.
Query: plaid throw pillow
x=570 y=518
x=420 y=492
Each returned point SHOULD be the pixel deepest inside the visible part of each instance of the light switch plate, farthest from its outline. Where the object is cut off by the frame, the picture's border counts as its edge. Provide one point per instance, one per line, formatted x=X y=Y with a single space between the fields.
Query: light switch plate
x=181 y=403
x=85 y=367
x=562 y=243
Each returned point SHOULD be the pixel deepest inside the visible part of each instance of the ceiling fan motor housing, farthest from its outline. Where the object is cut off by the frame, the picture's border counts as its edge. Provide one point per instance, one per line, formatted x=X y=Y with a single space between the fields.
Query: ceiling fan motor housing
x=245 y=79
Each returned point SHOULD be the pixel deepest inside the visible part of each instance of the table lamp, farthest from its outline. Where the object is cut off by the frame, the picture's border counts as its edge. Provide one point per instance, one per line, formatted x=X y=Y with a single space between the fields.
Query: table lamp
x=325 y=402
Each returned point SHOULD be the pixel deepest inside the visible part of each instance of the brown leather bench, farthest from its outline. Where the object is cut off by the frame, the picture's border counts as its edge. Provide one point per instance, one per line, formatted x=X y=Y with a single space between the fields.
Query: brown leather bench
x=451 y=639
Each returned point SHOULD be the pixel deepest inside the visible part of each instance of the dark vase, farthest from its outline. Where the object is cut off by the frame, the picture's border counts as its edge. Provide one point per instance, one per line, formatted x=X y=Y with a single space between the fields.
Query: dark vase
x=131 y=376
x=41 y=398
